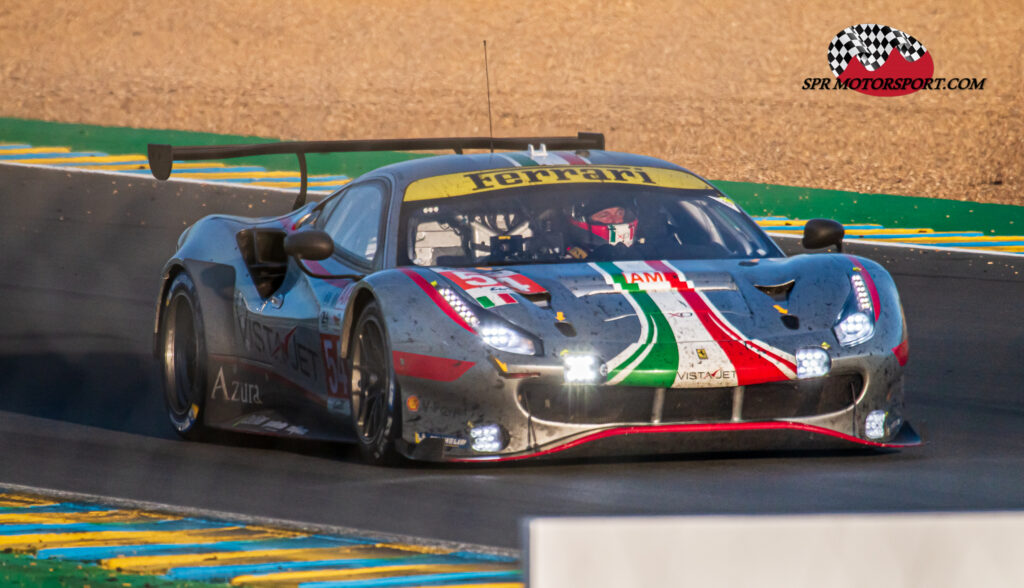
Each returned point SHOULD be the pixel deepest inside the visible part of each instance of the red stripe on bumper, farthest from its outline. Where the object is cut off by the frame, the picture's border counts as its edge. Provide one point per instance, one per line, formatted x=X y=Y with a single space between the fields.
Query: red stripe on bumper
x=683 y=428
x=902 y=352
x=429 y=367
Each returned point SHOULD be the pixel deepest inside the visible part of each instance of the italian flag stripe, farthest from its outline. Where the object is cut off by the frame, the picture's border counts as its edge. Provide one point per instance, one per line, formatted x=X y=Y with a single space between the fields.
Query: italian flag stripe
x=655 y=360
x=571 y=158
x=754 y=362
x=521 y=159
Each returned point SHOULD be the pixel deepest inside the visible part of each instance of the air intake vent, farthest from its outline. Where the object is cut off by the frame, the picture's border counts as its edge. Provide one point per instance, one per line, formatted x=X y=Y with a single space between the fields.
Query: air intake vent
x=778 y=292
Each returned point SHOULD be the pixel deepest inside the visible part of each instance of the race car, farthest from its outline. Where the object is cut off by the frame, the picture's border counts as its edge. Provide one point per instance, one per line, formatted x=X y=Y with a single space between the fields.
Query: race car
x=538 y=297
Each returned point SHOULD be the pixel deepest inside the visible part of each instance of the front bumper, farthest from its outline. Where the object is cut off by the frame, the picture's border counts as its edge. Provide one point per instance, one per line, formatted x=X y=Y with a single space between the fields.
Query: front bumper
x=773 y=416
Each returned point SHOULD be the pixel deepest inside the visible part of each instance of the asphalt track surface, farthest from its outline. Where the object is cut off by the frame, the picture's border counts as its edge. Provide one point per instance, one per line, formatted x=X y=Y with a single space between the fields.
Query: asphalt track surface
x=80 y=406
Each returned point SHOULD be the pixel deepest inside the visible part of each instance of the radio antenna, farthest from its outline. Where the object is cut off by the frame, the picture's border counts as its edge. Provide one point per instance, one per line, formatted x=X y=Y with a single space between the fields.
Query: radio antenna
x=490 y=120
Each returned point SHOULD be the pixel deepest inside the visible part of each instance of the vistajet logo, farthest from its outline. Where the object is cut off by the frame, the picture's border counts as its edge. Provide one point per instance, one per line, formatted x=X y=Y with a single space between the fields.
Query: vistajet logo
x=879 y=60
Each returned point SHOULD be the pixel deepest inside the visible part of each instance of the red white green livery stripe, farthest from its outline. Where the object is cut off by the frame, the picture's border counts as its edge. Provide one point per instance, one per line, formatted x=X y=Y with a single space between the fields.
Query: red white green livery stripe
x=685 y=342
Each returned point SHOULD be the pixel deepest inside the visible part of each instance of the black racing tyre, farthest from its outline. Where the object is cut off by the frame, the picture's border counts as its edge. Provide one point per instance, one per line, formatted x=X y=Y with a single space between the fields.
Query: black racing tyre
x=376 y=399
x=183 y=358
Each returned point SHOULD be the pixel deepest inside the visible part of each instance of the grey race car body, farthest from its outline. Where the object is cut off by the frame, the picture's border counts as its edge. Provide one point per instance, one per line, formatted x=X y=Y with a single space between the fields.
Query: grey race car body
x=443 y=338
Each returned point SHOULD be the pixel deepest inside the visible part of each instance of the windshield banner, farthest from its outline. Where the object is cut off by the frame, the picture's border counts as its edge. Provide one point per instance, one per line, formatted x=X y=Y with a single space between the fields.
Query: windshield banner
x=466 y=183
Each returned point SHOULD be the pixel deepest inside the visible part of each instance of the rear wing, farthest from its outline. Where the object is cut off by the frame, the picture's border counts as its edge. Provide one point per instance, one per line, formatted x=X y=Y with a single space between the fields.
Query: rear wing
x=162 y=157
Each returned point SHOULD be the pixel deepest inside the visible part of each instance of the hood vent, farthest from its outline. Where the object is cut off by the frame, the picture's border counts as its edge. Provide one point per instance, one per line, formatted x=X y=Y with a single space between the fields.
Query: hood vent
x=541 y=299
x=778 y=292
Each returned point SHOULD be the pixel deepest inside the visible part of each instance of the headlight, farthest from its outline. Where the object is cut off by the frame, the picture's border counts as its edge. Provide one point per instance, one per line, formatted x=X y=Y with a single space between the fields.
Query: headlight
x=493 y=330
x=508 y=339
x=459 y=306
x=855 y=328
x=812 y=362
x=857 y=323
x=583 y=369
x=488 y=438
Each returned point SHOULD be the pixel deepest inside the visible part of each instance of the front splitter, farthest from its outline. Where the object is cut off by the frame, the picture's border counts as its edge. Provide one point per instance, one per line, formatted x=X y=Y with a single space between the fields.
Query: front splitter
x=699 y=438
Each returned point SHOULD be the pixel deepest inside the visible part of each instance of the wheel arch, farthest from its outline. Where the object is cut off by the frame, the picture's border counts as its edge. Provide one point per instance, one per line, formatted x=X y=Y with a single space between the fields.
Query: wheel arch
x=361 y=298
x=171 y=271
x=215 y=290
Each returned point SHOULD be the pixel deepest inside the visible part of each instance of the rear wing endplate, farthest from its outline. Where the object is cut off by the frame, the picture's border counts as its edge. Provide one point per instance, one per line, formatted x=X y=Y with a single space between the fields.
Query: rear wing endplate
x=162 y=157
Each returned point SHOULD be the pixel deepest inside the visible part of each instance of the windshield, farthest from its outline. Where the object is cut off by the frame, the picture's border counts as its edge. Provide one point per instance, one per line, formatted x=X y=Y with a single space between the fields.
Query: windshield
x=554 y=223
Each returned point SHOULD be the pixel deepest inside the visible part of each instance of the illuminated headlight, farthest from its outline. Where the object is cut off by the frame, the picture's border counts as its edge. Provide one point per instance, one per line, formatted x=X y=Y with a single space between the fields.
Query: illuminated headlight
x=874 y=425
x=507 y=339
x=460 y=307
x=812 y=362
x=584 y=369
x=488 y=438
x=856 y=328
x=860 y=291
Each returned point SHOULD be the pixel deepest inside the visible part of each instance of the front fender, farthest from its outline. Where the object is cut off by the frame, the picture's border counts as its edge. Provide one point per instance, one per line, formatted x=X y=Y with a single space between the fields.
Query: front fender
x=415 y=322
x=215 y=287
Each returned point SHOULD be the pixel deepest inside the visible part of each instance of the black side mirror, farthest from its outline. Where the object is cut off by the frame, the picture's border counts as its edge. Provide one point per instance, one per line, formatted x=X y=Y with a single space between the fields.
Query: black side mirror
x=822 y=232
x=312 y=244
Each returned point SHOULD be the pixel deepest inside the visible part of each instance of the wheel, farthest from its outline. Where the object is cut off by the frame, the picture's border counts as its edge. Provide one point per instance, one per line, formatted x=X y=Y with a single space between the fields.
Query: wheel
x=376 y=403
x=183 y=354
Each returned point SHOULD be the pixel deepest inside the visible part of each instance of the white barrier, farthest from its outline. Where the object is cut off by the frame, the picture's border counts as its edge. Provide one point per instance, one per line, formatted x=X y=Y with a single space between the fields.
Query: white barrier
x=833 y=551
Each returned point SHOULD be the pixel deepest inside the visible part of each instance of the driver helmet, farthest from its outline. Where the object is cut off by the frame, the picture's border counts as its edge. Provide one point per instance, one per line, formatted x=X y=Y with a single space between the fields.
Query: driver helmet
x=609 y=224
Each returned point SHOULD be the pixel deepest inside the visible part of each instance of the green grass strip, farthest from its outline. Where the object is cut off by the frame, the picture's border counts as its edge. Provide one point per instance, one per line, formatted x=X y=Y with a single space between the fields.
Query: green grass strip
x=125 y=141
x=892 y=212
x=757 y=199
x=25 y=571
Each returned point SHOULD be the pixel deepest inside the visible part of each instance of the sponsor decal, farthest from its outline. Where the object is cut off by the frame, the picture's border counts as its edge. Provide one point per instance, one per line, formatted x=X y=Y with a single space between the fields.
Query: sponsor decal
x=879 y=60
x=335 y=378
x=443 y=410
x=449 y=440
x=704 y=376
x=635 y=281
x=282 y=350
x=330 y=321
x=702 y=354
x=235 y=390
x=463 y=184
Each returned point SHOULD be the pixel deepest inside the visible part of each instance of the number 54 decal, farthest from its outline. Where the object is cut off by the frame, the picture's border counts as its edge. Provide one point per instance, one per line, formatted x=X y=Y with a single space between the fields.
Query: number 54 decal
x=338 y=395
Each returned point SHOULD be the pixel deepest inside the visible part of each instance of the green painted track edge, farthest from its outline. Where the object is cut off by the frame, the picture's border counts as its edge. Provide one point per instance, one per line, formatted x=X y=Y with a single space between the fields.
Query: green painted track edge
x=126 y=141
x=888 y=210
x=757 y=199
x=23 y=570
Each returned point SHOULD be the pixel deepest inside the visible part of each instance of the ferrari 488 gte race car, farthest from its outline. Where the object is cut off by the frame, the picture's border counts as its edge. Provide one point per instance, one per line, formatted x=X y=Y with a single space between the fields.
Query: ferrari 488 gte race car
x=548 y=299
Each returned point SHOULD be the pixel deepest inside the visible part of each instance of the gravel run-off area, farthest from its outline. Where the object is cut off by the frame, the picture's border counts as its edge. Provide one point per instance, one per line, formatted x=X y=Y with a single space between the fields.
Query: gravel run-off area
x=712 y=85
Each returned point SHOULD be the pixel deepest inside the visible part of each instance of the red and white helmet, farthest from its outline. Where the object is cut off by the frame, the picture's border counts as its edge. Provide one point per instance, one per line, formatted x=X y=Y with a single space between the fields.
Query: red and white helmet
x=611 y=224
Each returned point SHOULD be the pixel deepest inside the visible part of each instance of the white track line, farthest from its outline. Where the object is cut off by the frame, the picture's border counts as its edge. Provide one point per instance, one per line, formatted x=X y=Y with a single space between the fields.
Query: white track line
x=122 y=174
x=1018 y=256
x=325 y=192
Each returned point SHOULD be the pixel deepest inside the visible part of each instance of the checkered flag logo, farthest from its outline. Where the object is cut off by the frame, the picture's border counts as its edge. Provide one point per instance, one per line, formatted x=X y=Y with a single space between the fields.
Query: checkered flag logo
x=871 y=44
